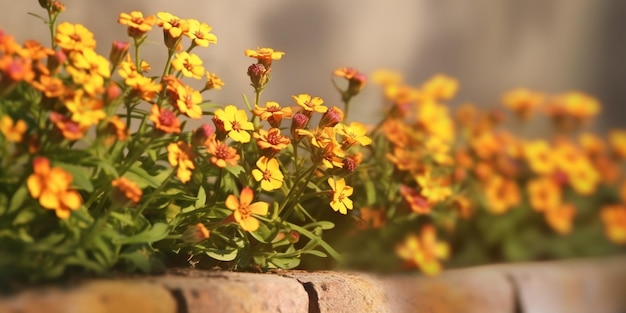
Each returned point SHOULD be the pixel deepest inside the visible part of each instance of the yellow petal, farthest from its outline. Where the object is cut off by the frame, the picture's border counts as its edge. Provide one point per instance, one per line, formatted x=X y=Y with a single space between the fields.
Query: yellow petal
x=260 y=208
x=49 y=200
x=72 y=200
x=35 y=185
x=249 y=224
x=232 y=202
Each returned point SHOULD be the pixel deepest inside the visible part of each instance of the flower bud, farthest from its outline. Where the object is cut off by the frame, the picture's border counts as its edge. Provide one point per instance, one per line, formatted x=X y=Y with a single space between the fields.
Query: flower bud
x=201 y=134
x=220 y=131
x=45 y=3
x=119 y=50
x=299 y=121
x=259 y=75
x=331 y=118
x=56 y=7
x=56 y=60
x=196 y=233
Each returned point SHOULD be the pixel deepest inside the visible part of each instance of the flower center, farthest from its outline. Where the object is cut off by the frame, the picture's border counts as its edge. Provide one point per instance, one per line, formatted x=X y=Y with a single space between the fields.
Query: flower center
x=244 y=211
x=167 y=118
x=221 y=151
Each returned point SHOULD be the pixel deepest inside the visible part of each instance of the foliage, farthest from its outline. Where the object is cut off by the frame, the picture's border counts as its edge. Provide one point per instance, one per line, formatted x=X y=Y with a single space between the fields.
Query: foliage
x=98 y=171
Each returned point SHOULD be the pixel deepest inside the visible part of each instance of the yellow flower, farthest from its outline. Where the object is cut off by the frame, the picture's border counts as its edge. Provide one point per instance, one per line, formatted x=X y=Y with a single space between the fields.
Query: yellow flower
x=544 y=194
x=539 y=157
x=74 y=37
x=424 y=251
x=51 y=186
x=617 y=140
x=340 y=192
x=200 y=33
x=435 y=119
x=188 y=101
x=189 y=64
x=235 y=123
x=222 y=154
x=353 y=133
x=614 y=219
x=268 y=173
x=171 y=24
x=213 y=82
x=441 y=87
x=126 y=190
x=502 y=194
x=432 y=189
x=583 y=177
x=85 y=111
x=12 y=131
x=244 y=208
x=310 y=104
x=180 y=155
x=136 y=22
x=387 y=77
x=265 y=55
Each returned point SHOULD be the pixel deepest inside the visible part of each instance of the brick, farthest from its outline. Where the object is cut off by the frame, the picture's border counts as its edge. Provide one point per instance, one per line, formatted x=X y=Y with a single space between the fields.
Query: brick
x=203 y=291
x=95 y=297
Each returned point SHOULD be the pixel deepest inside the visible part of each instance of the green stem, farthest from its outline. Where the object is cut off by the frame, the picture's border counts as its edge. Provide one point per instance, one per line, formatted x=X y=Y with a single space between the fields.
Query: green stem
x=156 y=193
x=216 y=188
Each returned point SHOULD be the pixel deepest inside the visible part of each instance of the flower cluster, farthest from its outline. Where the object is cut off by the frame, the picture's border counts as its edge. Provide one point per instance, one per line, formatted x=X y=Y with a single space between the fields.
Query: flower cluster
x=109 y=161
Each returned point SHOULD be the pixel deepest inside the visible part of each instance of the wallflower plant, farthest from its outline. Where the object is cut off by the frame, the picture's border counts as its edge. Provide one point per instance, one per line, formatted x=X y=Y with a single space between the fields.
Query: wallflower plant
x=100 y=171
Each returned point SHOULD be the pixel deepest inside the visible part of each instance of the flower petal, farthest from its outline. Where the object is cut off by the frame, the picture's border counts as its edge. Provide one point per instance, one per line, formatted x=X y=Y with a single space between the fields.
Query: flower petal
x=232 y=202
x=260 y=208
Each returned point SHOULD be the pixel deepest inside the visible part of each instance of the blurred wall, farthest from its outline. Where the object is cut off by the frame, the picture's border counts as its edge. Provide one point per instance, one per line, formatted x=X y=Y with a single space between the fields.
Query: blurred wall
x=489 y=45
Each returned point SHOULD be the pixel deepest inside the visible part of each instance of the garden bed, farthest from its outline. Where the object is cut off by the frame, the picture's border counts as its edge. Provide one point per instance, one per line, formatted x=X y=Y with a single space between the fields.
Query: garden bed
x=586 y=285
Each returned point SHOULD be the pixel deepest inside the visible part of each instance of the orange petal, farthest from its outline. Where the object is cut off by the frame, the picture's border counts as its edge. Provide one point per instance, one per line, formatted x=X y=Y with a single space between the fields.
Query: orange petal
x=246 y=196
x=49 y=200
x=35 y=185
x=232 y=202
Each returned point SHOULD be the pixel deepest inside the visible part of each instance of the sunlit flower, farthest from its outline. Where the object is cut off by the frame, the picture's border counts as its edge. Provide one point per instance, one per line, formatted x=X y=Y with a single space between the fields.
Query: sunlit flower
x=74 y=37
x=340 y=192
x=200 y=33
x=189 y=64
x=164 y=120
x=221 y=154
x=268 y=173
x=85 y=111
x=434 y=190
x=188 y=101
x=614 y=219
x=617 y=140
x=126 y=190
x=353 y=133
x=332 y=155
x=51 y=186
x=136 y=22
x=310 y=104
x=522 y=101
x=544 y=194
x=583 y=177
x=236 y=123
x=439 y=151
x=560 y=218
x=424 y=251
x=265 y=55
x=435 y=119
x=13 y=131
x=539 y=157
x=272 y=113
x=180 y=155
x=244 y=208
x=320 y=137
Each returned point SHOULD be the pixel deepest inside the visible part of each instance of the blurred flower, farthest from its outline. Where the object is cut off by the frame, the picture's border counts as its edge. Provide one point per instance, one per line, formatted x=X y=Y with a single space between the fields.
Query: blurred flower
x=424 y=250
x=181 y=156
x=213 y=82
x=544 y=194
x=74 y=37
x=68 y=128
x=244 y=208
x=560 y=218
x=418 y=203
x=441 y=87
x=539 y=157
x=502 y=194
x=614 y=219
x=137 y=24
x=164 y=120
x=125 y=190
x=523 y=102
x=617 y=140
x=196 y=233
x=13 y=131
x=50 y=185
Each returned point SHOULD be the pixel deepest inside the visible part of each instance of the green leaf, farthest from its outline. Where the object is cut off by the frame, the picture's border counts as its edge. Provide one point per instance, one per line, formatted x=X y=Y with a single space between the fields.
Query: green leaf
x=263 y=234
x=225 y=255
x=157 y=232
x=321 y=224
x=315 y=253
x=285 y=263
x=80 y=174
x=201 y=198
x=106 y=166
x=124 y=218
x=18 y=198
x=370 y=192
x=141 y=177
x=24 y=217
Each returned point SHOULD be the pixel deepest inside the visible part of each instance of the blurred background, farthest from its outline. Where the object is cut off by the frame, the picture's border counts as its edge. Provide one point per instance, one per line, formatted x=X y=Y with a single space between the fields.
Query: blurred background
x=490 y=46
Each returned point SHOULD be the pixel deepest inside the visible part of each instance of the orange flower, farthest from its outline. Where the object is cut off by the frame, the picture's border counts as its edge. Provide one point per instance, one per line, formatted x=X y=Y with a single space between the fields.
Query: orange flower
x=434 y=190
x=370 y=218
x=522 y=101
x=213 y=82
x=560 y=218
x=502 y=194
x=441 y=87
x=614 y=219
x=196 y=233
x=424 y=250
x=68 y=128
x=116 y=130
x=272 y=113
x=244 y=208
x=126 y=190
x=51 y=186
x=180 y=154
x=265 y=55
x=221 y=154
x=617 y=140
x=418 y=203
x=272 y=140
x=405 y=159
x=164 y=120
x=12 y=131
x=51 y=87
x=539 y=157
x=544 y=194
x=136 y=22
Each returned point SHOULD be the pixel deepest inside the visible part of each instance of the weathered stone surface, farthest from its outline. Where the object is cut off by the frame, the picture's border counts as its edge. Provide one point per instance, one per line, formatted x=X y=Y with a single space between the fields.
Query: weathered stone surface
x=94 y=297
x=200 y=291
x=570 y=286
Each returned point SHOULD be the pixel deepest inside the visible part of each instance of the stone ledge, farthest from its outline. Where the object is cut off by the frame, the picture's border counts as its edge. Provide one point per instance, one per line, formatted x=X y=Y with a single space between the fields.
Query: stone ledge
x=594 y=285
